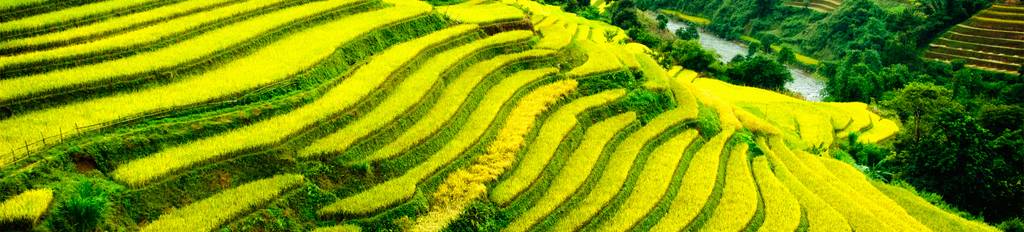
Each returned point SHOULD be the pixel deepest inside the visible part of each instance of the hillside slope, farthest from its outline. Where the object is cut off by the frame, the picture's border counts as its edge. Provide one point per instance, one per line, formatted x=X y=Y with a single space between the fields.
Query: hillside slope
x=348 y=115
x=993 y=39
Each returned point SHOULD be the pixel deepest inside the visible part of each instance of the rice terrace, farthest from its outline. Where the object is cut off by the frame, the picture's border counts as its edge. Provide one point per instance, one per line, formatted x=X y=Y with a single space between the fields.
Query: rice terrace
x=509 y=115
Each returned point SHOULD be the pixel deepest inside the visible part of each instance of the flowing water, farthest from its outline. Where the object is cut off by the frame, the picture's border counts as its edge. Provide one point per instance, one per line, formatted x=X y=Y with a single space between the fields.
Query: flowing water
x=803 y=82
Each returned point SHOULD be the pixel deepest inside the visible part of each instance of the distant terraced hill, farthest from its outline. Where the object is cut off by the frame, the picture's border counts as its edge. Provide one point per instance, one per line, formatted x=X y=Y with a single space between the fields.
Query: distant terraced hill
x=992 y=39
x=377 y=115
x=823 y=6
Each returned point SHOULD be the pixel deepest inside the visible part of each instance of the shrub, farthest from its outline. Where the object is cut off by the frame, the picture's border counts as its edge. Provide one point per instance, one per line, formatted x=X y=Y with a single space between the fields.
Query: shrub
x=84 y=210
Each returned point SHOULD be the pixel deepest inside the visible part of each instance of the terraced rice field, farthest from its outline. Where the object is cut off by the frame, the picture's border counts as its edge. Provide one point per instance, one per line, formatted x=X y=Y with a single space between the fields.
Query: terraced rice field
x=823 y=6
x=384 y=115
x=993 y=39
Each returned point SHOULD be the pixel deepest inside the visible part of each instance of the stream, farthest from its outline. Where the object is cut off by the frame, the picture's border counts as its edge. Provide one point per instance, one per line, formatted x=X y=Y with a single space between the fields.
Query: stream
x=803 y=82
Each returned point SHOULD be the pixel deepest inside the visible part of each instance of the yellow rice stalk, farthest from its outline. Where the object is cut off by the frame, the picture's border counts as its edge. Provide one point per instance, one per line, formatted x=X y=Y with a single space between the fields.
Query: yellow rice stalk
x=860 y=183
x=653 y=182
x=820 y=216
x=278 y=128
x=177 y=54
x=27 y=206
x=881 y=130
x=208 y=214
x=556 y=36
x=698 y=183
x=657 y=78
x=859 y=217
x=615 y=173
x=755 y=124
x=885 y=213
x=739 y=198
x=11 y=4
x=577 y=168
x=465 y=185
x=781 y=209
x=339 y=228
x=815 y=127
x=674 y=71
x=417 y=85
x=395 y=190
x=858 y=112
x=482 y=13
x=599 y=60
x=929 y=215
x=69 y=14
x=552 y=132
x=434 y=120
x=114 y=24
x=139 y=36
x=685 y=96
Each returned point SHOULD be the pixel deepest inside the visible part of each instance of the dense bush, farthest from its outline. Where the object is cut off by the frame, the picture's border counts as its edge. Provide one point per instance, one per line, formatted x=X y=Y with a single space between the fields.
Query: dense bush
x=758 y=71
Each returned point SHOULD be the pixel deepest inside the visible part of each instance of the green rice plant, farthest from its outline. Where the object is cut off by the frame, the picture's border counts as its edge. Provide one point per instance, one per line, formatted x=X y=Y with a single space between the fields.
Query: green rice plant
x=556 y=35
x=856 y=212
x=209 y=213
x=414 y=88
x=115 y=24
x=820 y=216
x=433 y=122
x=652 y=184
x=599 y=59
x=698 y=183
x=395 y=190
x=856 y=180
x=781 y=211
x=486 y=13
x=270 y=64
x=69 y=14
x=576 y=170
x=615 y=173
x=24 y=210
x=739 y=200
x=176 y=54
x=540 y=152
x=277 y=129
x=934 y=217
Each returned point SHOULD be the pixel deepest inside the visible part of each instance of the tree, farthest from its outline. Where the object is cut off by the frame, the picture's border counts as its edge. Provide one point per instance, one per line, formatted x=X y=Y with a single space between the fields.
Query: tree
x=687 y=33
x=785 y=55
x=920 y=103
x=662 y=21
x=759 y=71
x=689 y=54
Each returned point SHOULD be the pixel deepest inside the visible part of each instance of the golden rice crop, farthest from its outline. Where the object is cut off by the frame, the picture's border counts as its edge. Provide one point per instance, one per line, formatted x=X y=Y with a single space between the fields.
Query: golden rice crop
x=176 y=54
x=698 y=183
x=820 y=216
x=403 y=187
x=857 y=112
x=27 y=206
x=114 y=24
x=599 y=60
x=339 y=228
x=652 y=183
x=856 y=180
x=881 y=130
x=576 y=170
x=482 y=13
x=884 y=214
x=209 y=213
x=657 y=78
x=557 y=35
x=615 y=173
x=139 y=36
x=755 y=124
x=417 y=85
x=280 y=127
x=433 y=122
x=552 y=132
x=855 y=212
x=69 y=14
x=815 y=127
x=739 y=198
x=781 y=210
x=11 y=4
x=928 y=214
x=468 y=184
